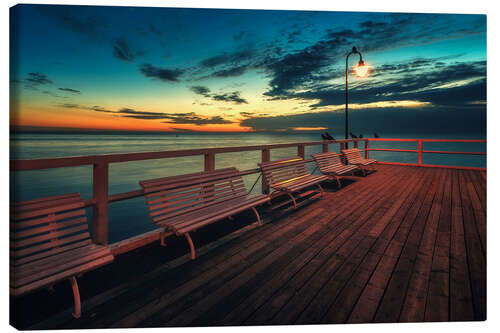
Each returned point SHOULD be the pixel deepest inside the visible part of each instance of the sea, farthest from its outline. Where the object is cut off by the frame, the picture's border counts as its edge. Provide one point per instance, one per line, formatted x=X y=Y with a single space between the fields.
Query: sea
x=129 y=217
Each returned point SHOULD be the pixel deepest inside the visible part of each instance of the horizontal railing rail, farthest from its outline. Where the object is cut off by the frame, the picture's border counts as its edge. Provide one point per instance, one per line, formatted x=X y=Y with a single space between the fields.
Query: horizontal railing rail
x=420 y=151
x=101 y=199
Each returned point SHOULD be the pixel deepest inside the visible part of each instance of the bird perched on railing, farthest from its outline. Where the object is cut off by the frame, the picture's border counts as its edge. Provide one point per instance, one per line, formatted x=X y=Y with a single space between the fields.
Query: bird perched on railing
x=376 y=135
x=328 y=136
x=323 y=136
x=361 y=136
x=353 y=135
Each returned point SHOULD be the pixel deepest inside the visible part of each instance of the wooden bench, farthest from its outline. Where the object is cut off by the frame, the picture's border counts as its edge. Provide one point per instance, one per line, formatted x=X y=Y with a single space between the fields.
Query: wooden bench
x=330 y=164
x=353 y=156
x=50 y=242
x=188 y=202
x=289 y=176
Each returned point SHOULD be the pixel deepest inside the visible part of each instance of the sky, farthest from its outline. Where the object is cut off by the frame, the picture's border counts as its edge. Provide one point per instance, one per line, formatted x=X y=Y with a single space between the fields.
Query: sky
x=182 y=69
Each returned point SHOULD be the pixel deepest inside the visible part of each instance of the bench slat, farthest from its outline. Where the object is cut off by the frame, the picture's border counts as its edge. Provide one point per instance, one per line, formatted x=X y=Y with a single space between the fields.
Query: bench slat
x=330 y=163
x=48 y=236
x=353 y=156
x=49 y=227
x=55 y=264
x=61 y=276
x=215 y=210
x=21 y=215
x=50 y=241
x=46 y=219
x=197 y=199
x=60 y=242
x=196 y=193
x=171 y=213
x=222 y=214
x=49 y=253
x=288 y=174
x=44 y=199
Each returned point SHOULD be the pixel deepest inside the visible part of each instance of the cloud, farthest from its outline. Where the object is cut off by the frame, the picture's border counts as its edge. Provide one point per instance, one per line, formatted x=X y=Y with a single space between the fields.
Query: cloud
x=382 y=121
x=82 y=20
x=201 y=90
x=74 y=91
x=228 y=64
x=170 y=118
x=233 y=97
x=50 y=93
x=71 y=106
x=121 y=50
x=228 y=58
x=83 y=107
x=307 y=67
x=176 y=118
x=162 y=74
x=178 y=129
x=192 y=118
x=247 y=114
x=231 y=72
x=35 y=79
x=417 y=79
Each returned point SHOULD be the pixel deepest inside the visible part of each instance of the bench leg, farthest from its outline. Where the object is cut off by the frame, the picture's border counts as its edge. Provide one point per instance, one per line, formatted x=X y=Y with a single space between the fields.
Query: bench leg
x=76 y=297
x=191 y=245
x=321 y=190
x=257 y=214
x=162 y=238
x=338 y=181
x=293 y=200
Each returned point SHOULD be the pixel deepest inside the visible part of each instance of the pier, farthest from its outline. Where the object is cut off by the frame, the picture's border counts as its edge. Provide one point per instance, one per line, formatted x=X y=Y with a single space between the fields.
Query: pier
x=405 y=243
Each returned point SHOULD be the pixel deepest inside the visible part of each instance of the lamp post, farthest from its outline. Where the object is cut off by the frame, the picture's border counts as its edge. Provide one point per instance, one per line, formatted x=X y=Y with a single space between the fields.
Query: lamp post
x=361 y=71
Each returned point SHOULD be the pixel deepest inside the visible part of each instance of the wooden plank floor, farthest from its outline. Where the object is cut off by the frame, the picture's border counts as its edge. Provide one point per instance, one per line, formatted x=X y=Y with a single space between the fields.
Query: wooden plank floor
x=402 y=244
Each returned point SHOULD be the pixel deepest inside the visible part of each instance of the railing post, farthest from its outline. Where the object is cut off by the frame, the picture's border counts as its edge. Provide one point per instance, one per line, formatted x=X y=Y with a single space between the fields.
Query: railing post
x=419 y=152
x=301 y=151
x=356 y=144
x=367 y=152
x=209 y=162
x=325 y=147
x=342 y=146
x=266 y=157
x=100 y=213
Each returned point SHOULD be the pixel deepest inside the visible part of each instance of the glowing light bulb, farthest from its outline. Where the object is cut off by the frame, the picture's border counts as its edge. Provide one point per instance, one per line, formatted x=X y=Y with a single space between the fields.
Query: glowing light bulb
x=361 y=69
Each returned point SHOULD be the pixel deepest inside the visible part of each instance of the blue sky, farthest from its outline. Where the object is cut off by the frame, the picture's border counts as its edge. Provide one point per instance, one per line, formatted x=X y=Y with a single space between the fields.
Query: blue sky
x=178 y=69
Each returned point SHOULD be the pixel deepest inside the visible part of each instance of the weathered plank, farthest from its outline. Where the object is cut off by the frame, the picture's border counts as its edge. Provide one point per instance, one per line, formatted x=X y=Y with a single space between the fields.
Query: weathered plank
x=402 y=244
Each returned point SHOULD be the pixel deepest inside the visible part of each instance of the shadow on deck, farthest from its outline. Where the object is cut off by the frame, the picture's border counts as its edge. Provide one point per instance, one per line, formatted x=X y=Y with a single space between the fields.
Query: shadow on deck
x=403 y=244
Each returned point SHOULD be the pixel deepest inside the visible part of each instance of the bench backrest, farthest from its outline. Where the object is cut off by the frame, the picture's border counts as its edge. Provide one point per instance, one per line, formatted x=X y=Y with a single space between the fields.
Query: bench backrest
x=275 y=172
x=40 y=228
x=352 y=155
x=328 y=161
x=171 y=196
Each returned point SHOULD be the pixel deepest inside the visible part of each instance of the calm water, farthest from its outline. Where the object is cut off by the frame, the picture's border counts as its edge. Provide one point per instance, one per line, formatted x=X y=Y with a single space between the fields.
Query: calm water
x=129 y=217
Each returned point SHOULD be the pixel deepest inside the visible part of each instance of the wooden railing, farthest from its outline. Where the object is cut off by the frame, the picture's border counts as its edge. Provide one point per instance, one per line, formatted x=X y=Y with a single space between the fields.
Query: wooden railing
x=101 y=198
x=420 y=151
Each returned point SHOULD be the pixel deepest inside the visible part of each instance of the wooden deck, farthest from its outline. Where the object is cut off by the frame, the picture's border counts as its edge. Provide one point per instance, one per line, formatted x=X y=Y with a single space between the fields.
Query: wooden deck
x=402 y=244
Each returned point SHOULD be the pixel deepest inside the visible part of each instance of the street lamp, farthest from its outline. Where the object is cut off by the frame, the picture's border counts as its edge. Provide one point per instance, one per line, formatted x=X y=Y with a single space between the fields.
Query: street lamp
x=361 y=70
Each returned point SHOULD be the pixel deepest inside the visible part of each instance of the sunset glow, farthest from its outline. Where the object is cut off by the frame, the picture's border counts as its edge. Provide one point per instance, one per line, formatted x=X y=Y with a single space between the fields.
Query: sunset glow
x=153 y=70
